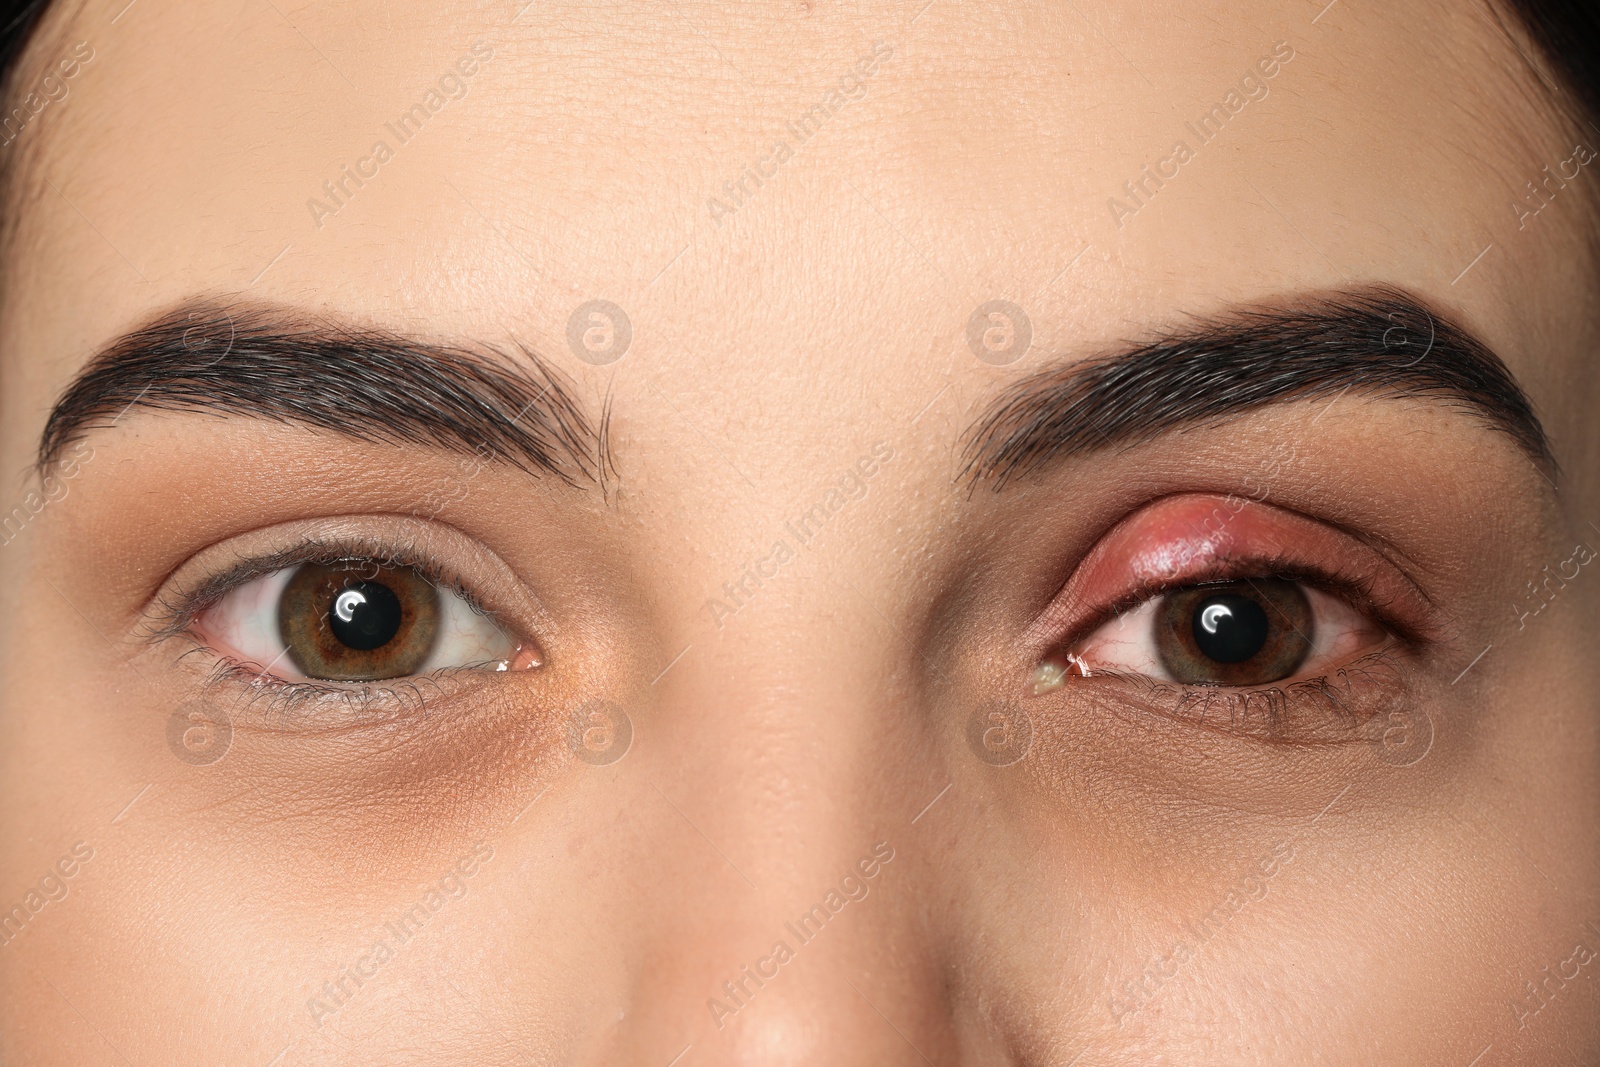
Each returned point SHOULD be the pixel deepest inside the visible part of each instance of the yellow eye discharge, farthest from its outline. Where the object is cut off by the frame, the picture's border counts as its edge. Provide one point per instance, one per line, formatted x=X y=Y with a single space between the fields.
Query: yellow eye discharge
x=353 y=621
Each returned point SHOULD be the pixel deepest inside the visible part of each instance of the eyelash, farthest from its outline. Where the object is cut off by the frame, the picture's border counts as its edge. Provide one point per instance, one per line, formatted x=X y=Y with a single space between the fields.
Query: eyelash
x=276 y=699
x=1357 y=590
x=1262 y=712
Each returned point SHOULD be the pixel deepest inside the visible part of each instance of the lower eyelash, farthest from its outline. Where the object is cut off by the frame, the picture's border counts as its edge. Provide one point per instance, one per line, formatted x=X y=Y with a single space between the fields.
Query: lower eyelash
x=259 y=700
x=1330 y=709
x=271 y=704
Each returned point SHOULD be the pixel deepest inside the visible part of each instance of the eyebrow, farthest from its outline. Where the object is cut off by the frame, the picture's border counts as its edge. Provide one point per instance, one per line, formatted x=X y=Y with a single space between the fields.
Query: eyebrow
x=268 y=362
x=1378 y=342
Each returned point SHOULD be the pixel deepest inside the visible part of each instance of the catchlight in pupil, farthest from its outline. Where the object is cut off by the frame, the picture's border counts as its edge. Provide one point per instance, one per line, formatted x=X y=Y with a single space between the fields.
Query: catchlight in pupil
x=366 y=615
x=1249 y=632
x=1230 y=629
x=357 y=621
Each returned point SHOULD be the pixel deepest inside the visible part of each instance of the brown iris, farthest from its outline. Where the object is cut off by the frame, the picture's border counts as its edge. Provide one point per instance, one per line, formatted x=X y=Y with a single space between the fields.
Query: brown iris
x=1234 y=633
x=357 y=621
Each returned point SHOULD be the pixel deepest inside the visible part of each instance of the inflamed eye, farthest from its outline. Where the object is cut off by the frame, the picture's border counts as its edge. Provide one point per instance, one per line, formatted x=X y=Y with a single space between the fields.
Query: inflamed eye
x=1243 y=632
x=353 y=621
x=1193 y=590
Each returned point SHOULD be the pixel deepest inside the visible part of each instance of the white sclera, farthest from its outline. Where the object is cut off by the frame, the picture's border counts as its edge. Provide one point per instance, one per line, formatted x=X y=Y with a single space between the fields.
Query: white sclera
x=244 y=626
x=1127 y=644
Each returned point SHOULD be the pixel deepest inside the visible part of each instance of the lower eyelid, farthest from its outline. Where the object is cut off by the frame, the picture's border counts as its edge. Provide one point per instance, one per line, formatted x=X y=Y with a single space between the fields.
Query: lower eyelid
x=310 y=706
x=1333 y=708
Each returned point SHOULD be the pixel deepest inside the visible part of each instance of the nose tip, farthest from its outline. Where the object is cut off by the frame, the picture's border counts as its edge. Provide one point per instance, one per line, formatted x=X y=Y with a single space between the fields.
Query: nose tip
x=801 y=947
x=782 y=975
x=820 y=1021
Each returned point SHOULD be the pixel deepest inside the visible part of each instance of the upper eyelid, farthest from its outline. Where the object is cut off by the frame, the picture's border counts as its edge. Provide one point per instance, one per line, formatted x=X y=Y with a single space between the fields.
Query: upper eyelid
x=1264 y=567
x=1264 y=538
x=196 y=600
x=450 y=557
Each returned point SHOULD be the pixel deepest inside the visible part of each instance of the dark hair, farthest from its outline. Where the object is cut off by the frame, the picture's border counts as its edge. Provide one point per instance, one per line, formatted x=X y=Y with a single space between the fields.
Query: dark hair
x=17 y=20
x=1568 y=33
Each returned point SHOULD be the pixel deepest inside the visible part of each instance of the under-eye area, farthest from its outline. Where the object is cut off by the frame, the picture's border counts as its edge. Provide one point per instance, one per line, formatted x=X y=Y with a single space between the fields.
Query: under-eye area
x=1332 y=707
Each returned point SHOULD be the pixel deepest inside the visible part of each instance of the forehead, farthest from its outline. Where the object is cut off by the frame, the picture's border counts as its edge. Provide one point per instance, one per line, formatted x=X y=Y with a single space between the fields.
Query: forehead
x=769 y=189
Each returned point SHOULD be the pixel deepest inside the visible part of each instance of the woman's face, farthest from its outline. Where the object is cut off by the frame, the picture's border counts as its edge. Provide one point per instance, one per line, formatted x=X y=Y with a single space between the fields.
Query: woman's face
x=997 y=534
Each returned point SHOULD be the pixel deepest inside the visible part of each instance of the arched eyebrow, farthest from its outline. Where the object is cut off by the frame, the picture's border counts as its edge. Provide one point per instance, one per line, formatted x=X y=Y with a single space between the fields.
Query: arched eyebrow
x=1379 y=341
x=268 y=362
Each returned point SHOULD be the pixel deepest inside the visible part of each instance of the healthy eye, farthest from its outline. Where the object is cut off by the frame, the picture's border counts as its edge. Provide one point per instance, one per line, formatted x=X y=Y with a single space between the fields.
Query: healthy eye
x=1238 y=633
x=353 y=621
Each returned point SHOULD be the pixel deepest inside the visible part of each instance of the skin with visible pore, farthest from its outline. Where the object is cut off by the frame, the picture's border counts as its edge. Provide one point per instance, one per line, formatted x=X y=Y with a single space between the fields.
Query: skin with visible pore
x=823 y=734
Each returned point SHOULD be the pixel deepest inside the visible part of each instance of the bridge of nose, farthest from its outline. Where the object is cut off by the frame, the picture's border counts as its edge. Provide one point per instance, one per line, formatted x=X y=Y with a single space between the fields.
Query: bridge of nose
x=786 y=914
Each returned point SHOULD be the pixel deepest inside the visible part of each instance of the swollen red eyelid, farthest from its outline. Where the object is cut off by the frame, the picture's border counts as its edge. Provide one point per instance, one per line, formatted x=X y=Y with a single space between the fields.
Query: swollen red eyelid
x=1170 y=541
x=1196 y=538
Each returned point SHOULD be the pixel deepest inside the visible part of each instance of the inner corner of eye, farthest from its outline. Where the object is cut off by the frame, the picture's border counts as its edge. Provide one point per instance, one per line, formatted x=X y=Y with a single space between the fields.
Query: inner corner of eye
x=1053 y=673
x=358 y=620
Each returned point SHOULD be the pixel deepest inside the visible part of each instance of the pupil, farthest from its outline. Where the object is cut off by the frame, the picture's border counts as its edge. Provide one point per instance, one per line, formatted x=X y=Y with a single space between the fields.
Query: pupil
x=1229 y=628
x=365 y=615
